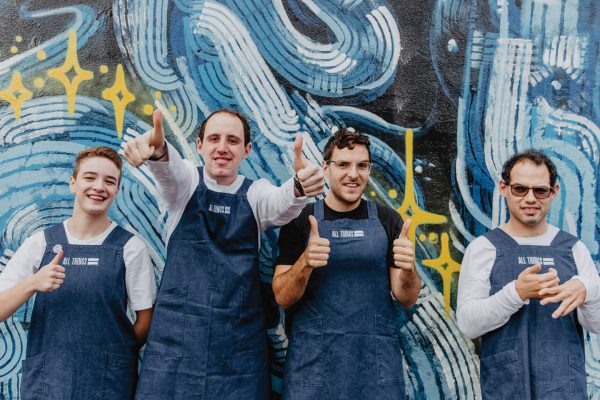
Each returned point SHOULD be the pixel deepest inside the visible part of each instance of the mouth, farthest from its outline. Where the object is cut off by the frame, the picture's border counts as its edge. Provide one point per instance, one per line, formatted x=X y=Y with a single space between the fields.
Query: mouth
x=221 y=160
x=351 y=185
x=96 y=198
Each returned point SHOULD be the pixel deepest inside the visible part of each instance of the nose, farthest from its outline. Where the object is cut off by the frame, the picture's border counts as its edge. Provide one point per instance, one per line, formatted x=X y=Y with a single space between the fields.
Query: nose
x=222 y=145
x=353 y=171
x=98 y=185
x=529 y=197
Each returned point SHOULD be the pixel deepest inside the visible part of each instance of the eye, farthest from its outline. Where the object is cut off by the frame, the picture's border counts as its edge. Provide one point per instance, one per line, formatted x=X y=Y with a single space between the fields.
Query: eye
x=213 y=139
x=364 y=165
x=520 y=190
x=343 y=164
x=233 y=140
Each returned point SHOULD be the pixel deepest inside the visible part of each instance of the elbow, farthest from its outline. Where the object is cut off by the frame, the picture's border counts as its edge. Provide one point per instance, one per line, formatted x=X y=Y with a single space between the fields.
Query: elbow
x=464 y=326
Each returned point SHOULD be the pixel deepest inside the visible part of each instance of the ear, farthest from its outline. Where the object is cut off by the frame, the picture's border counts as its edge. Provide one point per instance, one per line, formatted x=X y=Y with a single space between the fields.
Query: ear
x=247 y=150
x=72 y=184
x=325 y=169
x=503 y=188
x=198 y=144
x=555 y=192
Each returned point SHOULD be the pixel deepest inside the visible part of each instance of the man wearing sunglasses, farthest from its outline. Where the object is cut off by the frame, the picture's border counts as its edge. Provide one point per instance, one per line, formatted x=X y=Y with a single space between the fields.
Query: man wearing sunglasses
x=338 y=262
x=527 y=288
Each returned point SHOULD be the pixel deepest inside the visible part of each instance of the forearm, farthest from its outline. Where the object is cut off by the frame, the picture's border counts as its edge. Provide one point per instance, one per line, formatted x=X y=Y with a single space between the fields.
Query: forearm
x=142 y=325
x=274 y=206
x=289 y=286
x=478 y=316
x=173 y=176
x=405 y=285
x=13 y=298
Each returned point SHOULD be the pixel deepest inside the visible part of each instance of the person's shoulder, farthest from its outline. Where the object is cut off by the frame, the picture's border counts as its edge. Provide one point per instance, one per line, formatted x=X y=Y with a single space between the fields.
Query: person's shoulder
x=387 y=212
x=480 y=244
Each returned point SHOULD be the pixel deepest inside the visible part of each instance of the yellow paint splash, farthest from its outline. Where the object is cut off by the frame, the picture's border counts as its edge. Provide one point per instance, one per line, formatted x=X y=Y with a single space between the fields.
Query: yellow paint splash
x=16 y=94
x=445 y=266
x=71 y=64
x=120 y=97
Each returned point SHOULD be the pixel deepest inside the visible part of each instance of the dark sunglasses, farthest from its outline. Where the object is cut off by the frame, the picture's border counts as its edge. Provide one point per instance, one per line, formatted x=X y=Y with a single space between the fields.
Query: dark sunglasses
x=540 y=192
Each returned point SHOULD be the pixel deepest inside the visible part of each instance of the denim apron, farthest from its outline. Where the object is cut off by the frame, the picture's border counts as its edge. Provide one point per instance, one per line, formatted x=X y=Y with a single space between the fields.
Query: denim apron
x=80 y=344
x=533 y=356
x=208 y=336
x=343 y=342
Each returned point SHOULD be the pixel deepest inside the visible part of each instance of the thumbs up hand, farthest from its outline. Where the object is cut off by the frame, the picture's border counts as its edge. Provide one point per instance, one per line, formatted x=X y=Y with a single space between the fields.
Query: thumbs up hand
x=149 y=145
x=50 y=276
x=308 y=174
x=404 y=254
x=317 y=249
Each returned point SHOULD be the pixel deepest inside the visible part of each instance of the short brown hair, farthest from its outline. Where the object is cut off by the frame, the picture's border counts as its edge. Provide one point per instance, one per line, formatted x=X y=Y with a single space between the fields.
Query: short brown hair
x=229 y=111
x=99 y=151
x=345 y=138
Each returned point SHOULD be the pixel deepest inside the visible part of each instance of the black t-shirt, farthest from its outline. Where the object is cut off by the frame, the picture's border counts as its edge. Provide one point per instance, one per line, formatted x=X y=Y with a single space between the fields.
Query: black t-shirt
x=294 y=235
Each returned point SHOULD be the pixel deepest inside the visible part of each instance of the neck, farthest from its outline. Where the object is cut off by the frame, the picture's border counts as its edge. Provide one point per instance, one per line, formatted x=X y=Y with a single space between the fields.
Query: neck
x=340 y=206
x=516 y=228
x=222 y=181
x=85 y=226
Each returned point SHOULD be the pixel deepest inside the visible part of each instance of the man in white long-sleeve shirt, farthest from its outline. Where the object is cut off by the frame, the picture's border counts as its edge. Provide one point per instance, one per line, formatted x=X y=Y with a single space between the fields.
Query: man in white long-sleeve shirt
x=208 y=335
x=527 y=288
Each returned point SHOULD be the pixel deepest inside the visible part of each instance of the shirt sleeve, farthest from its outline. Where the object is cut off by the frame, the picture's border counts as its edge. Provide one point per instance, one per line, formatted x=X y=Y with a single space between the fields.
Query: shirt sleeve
x=477 y=312
x=588 y=313
x=25 y=262
x=272 y=205
x=139 y=275
x=177 y=180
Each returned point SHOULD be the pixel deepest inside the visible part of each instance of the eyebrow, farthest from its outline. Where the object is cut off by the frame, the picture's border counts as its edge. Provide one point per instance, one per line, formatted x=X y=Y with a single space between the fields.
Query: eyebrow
x=96 y=174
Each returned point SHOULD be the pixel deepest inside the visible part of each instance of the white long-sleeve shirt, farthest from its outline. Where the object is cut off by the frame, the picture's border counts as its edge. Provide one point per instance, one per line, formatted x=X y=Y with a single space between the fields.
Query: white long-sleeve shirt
x=479 y=313
x=177 y=180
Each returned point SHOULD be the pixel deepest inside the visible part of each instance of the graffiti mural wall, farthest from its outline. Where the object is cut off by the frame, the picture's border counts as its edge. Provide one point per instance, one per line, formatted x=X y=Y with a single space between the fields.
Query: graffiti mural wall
x=447 y=90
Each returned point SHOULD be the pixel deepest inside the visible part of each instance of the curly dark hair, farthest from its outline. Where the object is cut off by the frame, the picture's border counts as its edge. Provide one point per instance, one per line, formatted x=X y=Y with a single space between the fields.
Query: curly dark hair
x=535 y=156
x=345 y=138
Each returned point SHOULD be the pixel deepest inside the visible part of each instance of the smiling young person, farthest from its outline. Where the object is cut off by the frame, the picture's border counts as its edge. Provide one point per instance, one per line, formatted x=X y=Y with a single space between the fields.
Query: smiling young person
x=87 y=272
x=208 y=337
x=339 y=260
x=527 y=288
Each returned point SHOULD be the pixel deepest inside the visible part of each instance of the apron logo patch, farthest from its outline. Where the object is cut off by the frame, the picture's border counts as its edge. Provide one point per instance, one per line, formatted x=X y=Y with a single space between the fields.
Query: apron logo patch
x=536 y=260
x=347 y=234
x=81 y=261
x=219 y=209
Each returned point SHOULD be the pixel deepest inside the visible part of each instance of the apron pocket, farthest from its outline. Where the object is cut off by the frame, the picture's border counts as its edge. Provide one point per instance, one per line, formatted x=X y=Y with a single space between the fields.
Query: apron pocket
x=577 y=377
x=159 y=377
x=120 y=376
x=32 y=380
x=305 y=354
x=501 y=376
x=168 y=321
x=389 y=356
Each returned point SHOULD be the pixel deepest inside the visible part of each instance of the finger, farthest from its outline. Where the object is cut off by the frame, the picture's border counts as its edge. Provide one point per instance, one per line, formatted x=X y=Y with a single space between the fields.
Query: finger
x=405 y=228
x=309 y=174
x=299 y=160
x=561 y=310
x=59 y=275
x=553 y=299
x=60 y=268
x=318 y=256
x=314 y=227
x=317 y=264
x=157 y=137
x=57 y=258
x=534 y=269
x=550 y=275
x=403 y=258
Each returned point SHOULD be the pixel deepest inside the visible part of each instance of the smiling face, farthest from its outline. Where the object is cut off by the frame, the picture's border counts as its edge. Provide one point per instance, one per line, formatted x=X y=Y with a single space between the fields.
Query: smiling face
x=222 y=147
x=528 y=214
x=95 y=186
x=347 y=184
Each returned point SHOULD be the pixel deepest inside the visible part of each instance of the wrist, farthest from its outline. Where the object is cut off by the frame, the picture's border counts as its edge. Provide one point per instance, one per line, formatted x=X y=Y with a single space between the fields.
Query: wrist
x=162 y=153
